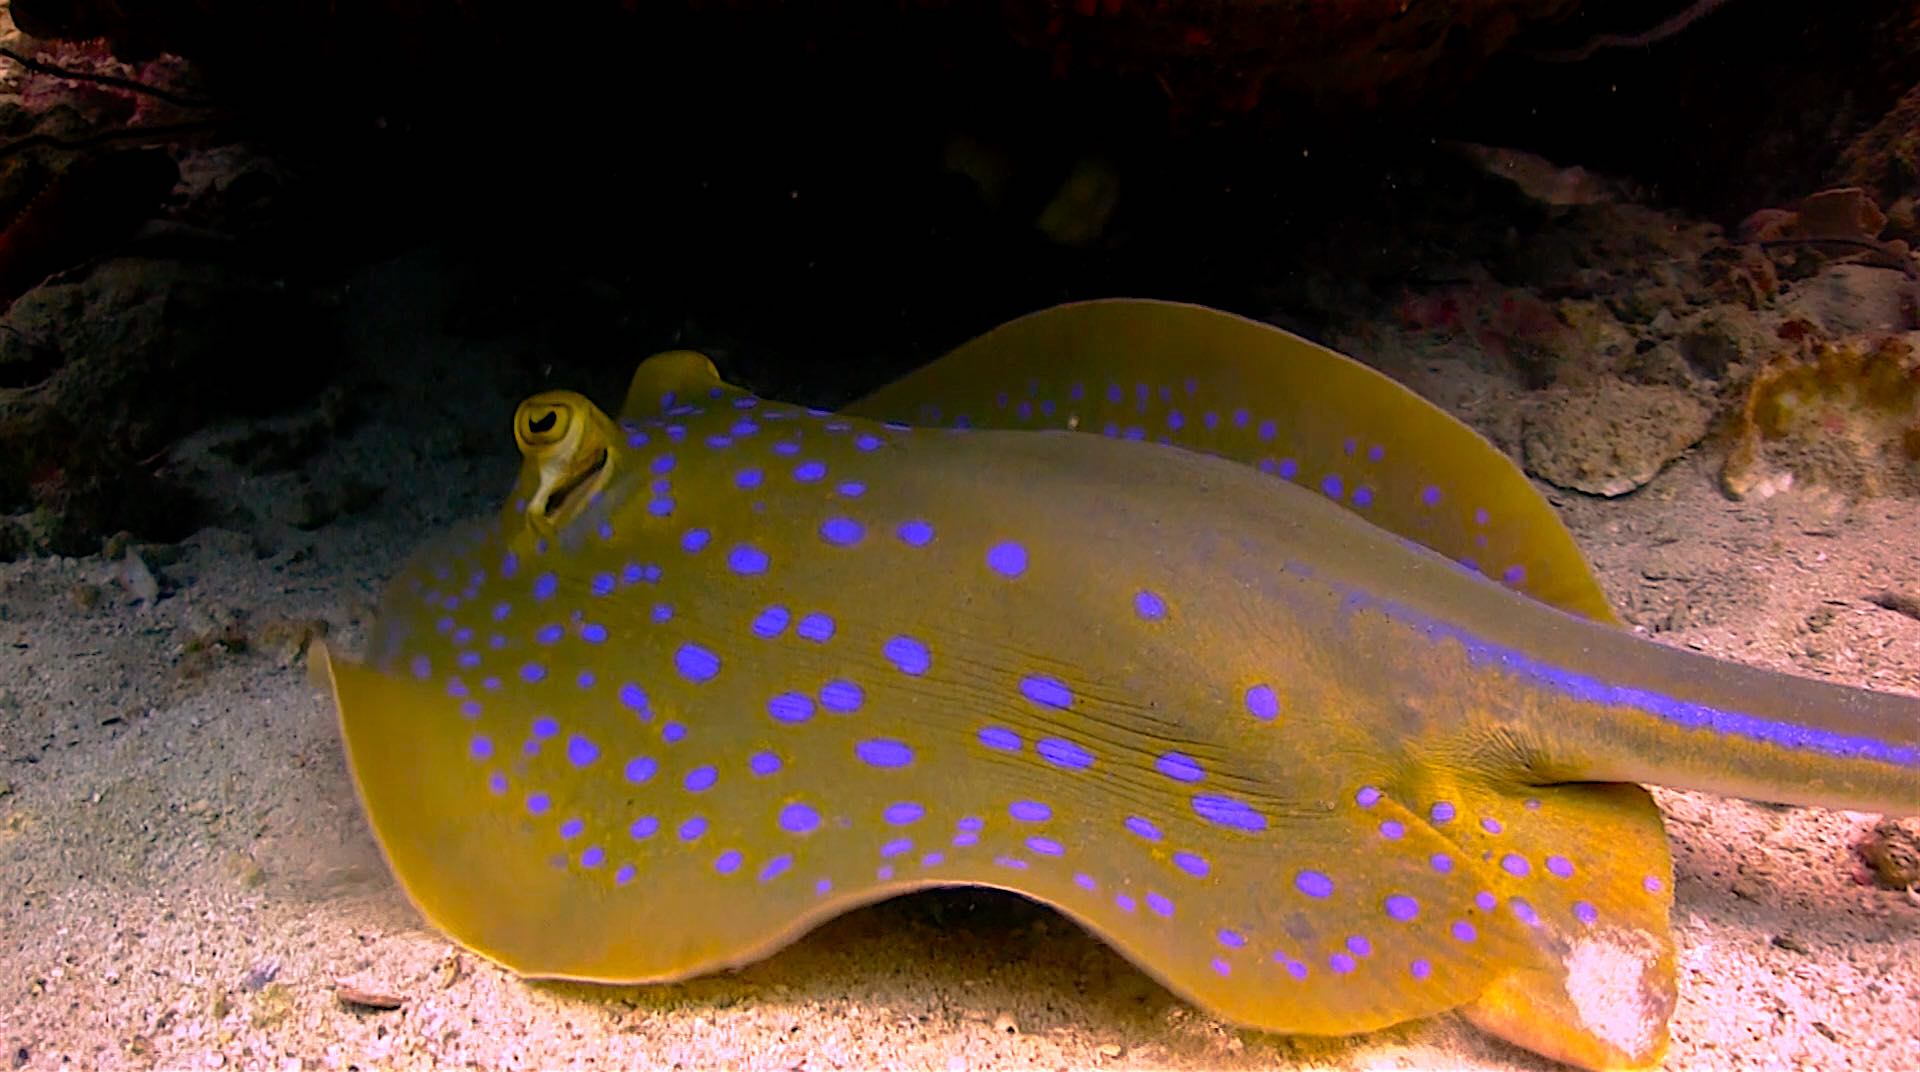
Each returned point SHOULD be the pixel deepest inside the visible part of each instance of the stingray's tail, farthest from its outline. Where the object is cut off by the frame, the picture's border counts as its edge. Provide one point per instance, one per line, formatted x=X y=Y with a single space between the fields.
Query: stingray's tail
x=1624 y=709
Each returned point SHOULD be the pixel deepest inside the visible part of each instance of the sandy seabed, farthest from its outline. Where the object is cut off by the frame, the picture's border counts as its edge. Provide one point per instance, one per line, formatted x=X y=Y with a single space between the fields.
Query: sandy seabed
x=188 y=882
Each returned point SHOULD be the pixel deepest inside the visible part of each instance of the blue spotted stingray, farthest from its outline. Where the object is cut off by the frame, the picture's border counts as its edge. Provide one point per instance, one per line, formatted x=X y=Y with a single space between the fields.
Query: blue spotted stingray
x=1281 y=682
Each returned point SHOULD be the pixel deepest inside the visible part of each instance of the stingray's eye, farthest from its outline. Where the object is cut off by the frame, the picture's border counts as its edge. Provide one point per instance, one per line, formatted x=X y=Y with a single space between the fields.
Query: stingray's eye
x=542 y=422
x=568 y=447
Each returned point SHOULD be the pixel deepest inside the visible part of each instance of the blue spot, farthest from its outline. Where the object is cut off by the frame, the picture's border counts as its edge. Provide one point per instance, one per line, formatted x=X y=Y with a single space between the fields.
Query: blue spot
x=593 y=633
x=660 y=506
x=852 y=489
x=1430 y=495
x=1289 y=468
x=1149 y=605
x=842 y=531
x=749 y=478
x=1125 y=903
x=776 y=867
x=545 y=585
x=816 y=627
x=1267 y=431
x=1228 y=812
x=1464 y=931
x=915 y=533
x=866 y=441
x=1085 y=882
x=727 y=862
x=696 y=539
x=641 y=769
x=904 y=813
x=770 y=622
x=841 y=697
x=1440 y=862
x=1232 y=939
x=1367 y=797
x=1045 y=846
x=533 y=672
x=1559 y=867
x=907 y=655
x=571 y=829
x=999 y=737
x=1046 y=691
x=1585 y=912
x=810 y=471
x=548 y=634
x=662 y=613
x=696 y=663
x=1143 y=827
x=1393 y=829
x=747 y=560
x=1262 y=703
x=1064 y=753
x=1340 y=963
x=1030 y=811
x=1442 y=811
x=593 y=857
x=509 y=565
x=634 y=698
x=972 y=824
x=1313 y=884
x=896 y=847
x=672 y=732
x=1403 y=908
x=1363 y=496
x=798 y=819
x=1007 y=559
x=1180 y=767
x=1160 y=905
x=1192 y=863
x=933 y=859
x=662 y=464
x=538 y=803
x=581 y=752
x=701 y=779
x=544 y=727
x=1514 y=864
x=792 y=708
x=883 y=752
x=481 y=747
x=693 y=828
x=763 y=763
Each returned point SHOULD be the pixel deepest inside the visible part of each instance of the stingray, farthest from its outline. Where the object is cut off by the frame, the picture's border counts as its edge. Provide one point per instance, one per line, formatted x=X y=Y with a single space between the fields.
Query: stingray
x=1268 y=673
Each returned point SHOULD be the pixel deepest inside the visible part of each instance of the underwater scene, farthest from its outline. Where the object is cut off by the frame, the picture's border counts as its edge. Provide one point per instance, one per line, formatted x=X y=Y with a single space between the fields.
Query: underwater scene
x=1071 y=534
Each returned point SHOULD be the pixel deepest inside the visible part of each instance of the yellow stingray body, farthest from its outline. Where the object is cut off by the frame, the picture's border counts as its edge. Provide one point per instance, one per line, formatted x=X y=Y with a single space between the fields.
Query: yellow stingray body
x=724 y=668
